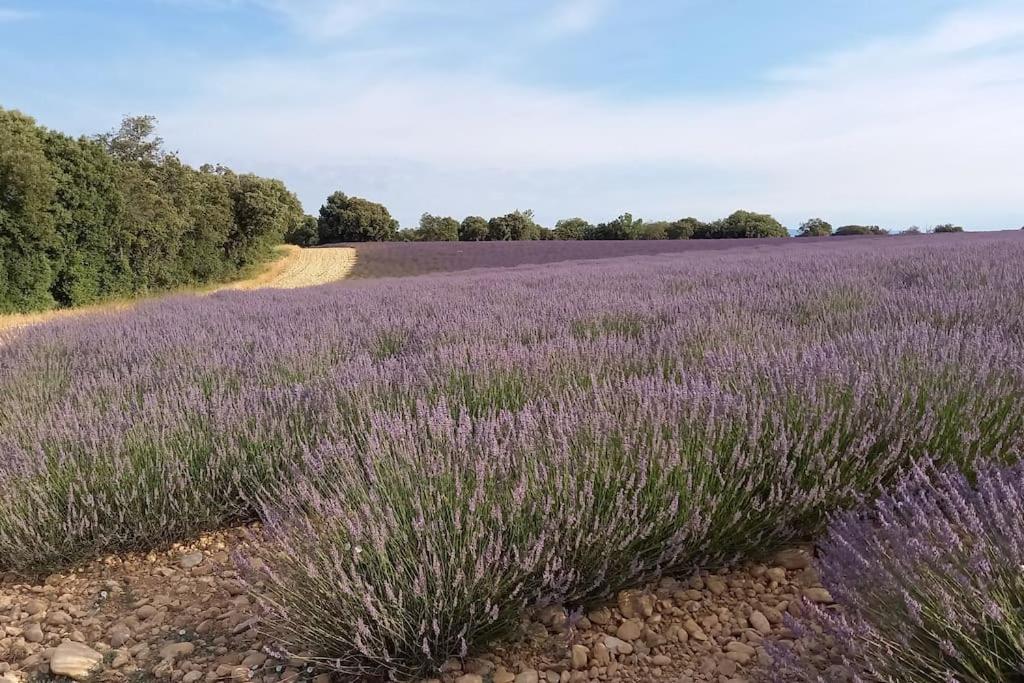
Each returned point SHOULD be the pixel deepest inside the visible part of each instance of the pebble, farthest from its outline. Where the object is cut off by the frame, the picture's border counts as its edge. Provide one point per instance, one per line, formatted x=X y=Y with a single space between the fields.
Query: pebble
x=74 y=660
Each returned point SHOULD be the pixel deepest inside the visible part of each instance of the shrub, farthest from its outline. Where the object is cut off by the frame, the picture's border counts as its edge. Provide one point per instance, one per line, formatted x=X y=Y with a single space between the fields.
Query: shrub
x=304 y=233
x=947 y=227
x=572 y=228
x=625 y=227
x=354 y=219
x=930 y=582
x=683 y=229
x=514 y=226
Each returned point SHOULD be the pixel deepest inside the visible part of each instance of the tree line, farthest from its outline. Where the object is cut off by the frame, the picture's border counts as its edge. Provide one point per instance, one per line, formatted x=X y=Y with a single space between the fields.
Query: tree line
x=354 y=219
x=87 y=219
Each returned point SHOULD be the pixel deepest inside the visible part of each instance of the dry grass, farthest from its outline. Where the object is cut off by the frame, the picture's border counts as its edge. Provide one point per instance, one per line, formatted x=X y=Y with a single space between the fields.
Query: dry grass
x=295 y=268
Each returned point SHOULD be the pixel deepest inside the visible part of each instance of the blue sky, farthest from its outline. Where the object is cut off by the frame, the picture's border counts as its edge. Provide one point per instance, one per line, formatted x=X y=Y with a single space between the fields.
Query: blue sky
x=895 y=113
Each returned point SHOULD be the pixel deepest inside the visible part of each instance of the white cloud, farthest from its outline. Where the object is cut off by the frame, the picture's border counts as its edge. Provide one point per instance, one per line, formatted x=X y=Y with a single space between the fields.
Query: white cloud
x=574 y=16
x=911 y=126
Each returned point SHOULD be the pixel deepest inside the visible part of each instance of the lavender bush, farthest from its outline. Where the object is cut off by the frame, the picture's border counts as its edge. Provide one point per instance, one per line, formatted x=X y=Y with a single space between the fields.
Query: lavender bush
x=429 y=454
x=931 y=583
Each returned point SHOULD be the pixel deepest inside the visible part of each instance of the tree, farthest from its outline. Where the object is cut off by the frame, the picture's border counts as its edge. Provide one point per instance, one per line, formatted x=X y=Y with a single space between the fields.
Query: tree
x=27 y=192
x=815 y=227
x=304 y=233
x=437 y=229
x=514 y=226
x=845 y=230
x=912 y=230
x=657 y=230
x=947 y=228
x=353 y=219
x=625 y=227
x=571 y=228
x=135 y=141
x=683 y=229
x=742 y=224
x=473 y=229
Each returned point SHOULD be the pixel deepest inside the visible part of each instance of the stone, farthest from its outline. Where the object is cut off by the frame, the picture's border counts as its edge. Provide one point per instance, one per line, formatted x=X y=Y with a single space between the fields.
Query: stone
x=33 y=634
x=777 y=574
x=618 y=646
x=693 y=630
x=528 y=676
x=661 y=660
x=601 y=616
x=119 y=635
x=502 y=675
x=818 y=595
x=58 y=618
x=726 y=667
x=254 y=660
x=121 y=658
x=792 y=558
x=760 y=623
x=191 y=677
x=470 y=678
x=146 y=612
x=716 y=585
x=74 y=660
x=34 y=606
x=601 y=654
x=580 y=656
x=191 y=560
x=175 y=650
x=630 y=630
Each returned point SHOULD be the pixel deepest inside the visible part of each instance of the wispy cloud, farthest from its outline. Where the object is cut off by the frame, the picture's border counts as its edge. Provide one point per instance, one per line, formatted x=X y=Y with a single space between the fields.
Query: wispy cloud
x=325 y=19
x=574 y=16
x=12 y=15
x=904 y=125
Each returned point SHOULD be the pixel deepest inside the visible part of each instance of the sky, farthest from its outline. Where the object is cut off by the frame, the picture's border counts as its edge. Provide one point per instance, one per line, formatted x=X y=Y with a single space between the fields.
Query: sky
x=885 y=112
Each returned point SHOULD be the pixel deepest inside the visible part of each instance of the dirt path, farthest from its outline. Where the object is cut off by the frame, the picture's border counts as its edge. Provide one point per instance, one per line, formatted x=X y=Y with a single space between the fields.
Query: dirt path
x=296 y=268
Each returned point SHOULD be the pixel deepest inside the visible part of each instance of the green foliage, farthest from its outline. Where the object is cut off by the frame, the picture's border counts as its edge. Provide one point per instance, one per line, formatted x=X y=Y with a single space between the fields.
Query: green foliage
x=815 y=227
x=354 y=219
x=305 y=233
x=27 y=191
x=518 y=225
x=473 y=229
x=437 y=229
x=947 y=227
x=658 y=230
x=83 y=220
x=625 y=227
x=572 y=228
x=859 y=230
x=742 y=224
x=683 y=229
x=912 y=230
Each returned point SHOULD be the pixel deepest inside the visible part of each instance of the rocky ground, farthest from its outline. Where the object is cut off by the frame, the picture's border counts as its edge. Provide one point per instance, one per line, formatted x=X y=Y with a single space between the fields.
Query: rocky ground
x=182 y=615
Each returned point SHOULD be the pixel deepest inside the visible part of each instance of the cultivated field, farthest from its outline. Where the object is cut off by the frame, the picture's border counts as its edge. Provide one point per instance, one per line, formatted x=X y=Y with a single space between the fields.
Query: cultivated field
x=303 y=268
x=428 y=459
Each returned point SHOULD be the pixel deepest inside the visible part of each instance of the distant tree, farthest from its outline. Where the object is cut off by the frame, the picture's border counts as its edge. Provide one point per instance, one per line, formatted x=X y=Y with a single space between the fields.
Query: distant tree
x=135 y=141
x=27 y=192
x=815 y=227
x=912 y=230
x=683 y=229
x=518 y=225
x=859 y=230
x=473 y=229
x=545 y=234
x=572 y=228
x=948 y=227
x=625 y=227
x=742 y=224
x=305 y=233
x=656 y=230
x=354 y=219
x=265 y=211
x=437 y=229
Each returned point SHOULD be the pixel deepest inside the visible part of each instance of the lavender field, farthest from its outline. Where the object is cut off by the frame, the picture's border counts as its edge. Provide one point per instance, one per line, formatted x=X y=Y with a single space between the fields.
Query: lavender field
x=430 y=454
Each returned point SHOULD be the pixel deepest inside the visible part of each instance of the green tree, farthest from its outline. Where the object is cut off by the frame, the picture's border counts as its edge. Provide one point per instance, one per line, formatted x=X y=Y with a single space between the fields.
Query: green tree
x=473 y=229
x=947 y=228
x=304 y=234
x=815 y=227
x=27 y=234
x=845 y=230
x=135 y=141
x=514 y=226
x=656 y=230
x=743 y=224
x=437 y=229
x=683 y=229
x=265 y=211
x=625 y=227
x=354 y=219
x=572 y=228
